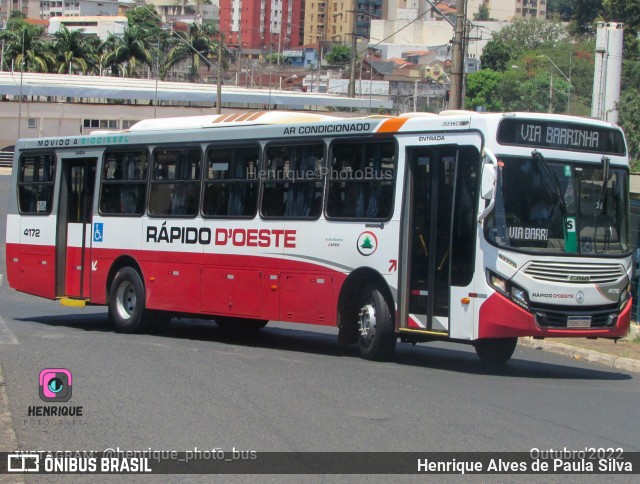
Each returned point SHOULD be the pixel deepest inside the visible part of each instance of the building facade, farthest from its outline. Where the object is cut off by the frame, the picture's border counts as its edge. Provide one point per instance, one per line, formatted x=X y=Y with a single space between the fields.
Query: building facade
x=510 y=9
x=267 y=25
x=31 y=8
x=76 y=8
x=102 y=26
x=336 y=21
x=188 y=11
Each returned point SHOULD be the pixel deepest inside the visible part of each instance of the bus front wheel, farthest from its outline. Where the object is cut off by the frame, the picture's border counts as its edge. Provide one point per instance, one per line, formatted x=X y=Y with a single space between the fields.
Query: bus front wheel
x=496 y=351
x=377 y=338
x=126 y=301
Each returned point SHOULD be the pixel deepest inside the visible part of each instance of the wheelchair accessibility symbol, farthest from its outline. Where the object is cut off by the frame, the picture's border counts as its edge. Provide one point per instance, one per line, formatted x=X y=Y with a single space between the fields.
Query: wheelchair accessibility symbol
x=97 y=232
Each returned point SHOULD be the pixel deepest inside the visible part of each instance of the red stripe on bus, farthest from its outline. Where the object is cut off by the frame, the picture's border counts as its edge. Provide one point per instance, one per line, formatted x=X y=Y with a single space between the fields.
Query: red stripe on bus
x=264 y=287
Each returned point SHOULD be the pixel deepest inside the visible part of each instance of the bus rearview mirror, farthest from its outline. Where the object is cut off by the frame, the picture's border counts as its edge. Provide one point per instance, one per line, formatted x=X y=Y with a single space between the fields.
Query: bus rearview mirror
x=488 y=182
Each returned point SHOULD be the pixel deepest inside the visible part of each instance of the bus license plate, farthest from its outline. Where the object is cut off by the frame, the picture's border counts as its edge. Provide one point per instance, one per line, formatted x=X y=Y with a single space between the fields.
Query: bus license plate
x=579 y=322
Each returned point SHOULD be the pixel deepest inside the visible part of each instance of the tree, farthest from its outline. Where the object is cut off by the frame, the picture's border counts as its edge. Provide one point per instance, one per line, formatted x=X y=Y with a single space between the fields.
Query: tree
x=482 y=87
x=482 y=14
x=340 y=55
x=105 y=55
x=627 y=11
x=496 y=55
x=73 y=48
x=275 y=58
x=629 y=119
x=530 y=34
x=585 y=13
x=22 y=43
x=197 y=46
x=563 y=8
x=147 y=19
x=130 y=52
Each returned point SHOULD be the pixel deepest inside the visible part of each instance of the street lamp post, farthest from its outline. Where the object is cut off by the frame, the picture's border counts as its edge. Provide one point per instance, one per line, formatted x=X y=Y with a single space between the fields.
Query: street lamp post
x=351 y=90
x=568 y=79
x=294 y=76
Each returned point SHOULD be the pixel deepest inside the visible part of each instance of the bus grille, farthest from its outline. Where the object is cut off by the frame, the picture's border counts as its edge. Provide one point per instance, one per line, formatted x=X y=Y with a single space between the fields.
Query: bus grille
x=549 y=316
x=574 y=273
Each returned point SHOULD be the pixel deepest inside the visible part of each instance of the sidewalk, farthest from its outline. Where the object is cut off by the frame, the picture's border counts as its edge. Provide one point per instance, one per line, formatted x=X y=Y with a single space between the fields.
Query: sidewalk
x=623 y=354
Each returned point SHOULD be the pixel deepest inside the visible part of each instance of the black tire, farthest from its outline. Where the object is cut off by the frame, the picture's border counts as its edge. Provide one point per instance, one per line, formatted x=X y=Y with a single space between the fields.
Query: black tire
x=495 y=352
x=240 y=325
x=377 y=338
x=127 y=300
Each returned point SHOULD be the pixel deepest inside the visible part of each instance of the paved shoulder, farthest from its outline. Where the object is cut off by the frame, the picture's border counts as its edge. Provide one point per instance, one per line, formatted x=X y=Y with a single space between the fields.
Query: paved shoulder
x=8 y=440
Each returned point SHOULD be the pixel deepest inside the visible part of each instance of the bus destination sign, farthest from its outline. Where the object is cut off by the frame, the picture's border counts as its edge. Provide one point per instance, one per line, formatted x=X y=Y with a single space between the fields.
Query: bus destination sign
x=561 y=135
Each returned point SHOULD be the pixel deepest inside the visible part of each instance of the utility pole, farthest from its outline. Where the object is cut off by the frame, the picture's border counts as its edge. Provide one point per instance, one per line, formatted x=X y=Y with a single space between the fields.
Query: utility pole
x=352 y=74
x=24 y=30
x=457 y=57
x=219 y=86
x=550 y=92
x=155 y=101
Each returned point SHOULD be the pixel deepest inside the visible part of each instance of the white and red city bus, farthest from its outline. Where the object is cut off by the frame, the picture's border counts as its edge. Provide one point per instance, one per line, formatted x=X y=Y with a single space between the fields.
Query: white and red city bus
x=471 y=227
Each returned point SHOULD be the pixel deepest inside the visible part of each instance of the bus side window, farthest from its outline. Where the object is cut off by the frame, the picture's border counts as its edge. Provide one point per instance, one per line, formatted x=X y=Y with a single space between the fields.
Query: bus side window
x=293 y=184
x=361 y=180
x=273 y=201
x=35 y=183
x=124 y=183
x=175 y=185
x=231 y=185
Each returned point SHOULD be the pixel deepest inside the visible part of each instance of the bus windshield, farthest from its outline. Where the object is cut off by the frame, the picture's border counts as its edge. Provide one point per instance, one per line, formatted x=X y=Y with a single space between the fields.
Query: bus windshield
x=558 y=207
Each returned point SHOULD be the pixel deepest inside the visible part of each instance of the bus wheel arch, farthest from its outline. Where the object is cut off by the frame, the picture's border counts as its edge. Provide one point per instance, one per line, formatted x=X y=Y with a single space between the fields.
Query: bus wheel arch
x=366 y=314
x=119 y=263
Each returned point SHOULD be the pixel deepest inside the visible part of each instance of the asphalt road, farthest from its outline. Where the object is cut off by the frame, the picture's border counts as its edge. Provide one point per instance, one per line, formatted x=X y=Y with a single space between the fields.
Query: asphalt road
x=290 y=388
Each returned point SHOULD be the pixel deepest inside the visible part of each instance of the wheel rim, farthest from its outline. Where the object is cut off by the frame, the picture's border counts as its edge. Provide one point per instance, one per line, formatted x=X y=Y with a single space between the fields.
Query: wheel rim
x=126 y=300
x=367 y=323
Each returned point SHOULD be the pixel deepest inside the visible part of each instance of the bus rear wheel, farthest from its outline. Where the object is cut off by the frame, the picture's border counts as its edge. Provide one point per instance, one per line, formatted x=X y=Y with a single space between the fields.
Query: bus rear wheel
x=496 y=351
x=377 y=339
x=127 y=300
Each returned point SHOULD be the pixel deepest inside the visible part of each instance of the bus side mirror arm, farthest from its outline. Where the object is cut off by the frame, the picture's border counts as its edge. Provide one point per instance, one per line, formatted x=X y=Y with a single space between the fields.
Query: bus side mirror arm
x=488 y=184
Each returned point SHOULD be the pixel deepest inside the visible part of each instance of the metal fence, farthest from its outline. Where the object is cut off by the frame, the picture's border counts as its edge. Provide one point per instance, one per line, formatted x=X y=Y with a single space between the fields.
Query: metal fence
x=6 y=158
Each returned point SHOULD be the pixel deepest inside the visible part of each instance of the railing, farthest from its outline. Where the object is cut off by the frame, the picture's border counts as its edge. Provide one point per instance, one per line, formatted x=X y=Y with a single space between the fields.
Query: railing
x=6 y=158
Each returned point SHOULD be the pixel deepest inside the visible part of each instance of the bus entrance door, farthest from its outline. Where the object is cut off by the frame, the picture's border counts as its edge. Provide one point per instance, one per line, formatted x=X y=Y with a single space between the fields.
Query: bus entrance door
x=440 y=225
x=74 y=227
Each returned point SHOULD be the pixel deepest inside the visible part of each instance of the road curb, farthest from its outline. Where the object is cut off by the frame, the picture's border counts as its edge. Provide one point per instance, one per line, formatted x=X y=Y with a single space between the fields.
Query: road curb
x=613 y=361
x=8 y=440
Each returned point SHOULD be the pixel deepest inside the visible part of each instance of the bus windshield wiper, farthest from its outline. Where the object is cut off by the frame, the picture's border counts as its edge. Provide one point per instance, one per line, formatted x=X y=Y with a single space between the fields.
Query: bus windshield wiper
x=541 y=163
x=605 y=178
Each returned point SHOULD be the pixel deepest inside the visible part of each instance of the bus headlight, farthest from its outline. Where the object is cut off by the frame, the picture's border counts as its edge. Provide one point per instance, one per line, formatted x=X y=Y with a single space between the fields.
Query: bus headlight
x=519 y=296
x=510 y=290
x=624 y=296
x=498 y=282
